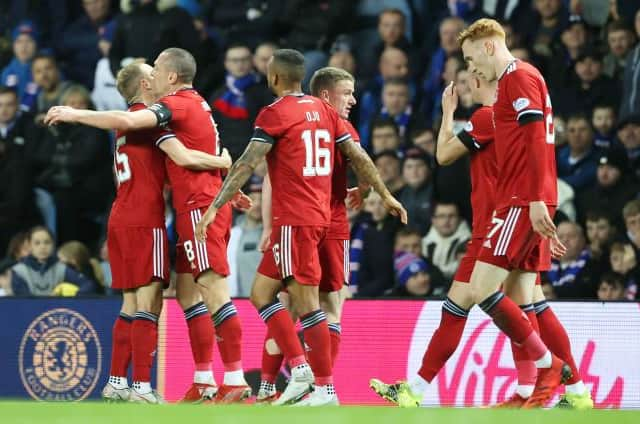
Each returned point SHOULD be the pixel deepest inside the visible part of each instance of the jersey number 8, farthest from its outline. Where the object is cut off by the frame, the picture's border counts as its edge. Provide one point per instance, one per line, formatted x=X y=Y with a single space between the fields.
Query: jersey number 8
x=317 y=158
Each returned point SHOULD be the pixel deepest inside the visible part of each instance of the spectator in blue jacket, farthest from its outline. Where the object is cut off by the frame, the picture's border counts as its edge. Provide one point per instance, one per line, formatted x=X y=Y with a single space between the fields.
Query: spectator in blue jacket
x=41 y=273
x=77 y=49
x=577 y=161
x=17 y=74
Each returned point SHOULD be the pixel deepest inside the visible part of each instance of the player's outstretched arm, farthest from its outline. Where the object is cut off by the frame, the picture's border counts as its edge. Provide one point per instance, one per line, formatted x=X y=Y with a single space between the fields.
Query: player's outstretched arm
x=194 y=159
x=106 y=120
x=366 y=172
x=449 y=147
x=238 y=176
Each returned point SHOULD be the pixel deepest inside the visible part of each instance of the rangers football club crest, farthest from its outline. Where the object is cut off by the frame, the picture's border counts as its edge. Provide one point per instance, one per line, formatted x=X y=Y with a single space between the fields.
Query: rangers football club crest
x=60 y=356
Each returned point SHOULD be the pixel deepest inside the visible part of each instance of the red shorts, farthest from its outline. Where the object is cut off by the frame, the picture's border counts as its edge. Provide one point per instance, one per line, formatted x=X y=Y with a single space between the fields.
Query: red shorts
x=294 y=253
x=512 y=244
x=334 y=261
x=468 y=261
x=195 y=257
x=137 y=256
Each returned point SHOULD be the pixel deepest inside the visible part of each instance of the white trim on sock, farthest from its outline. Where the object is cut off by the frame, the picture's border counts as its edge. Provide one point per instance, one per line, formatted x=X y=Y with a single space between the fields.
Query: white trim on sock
x=142 y=387
x=545 y=361
x=204 y=377
x=576 y=388
x=234 y=378
x=418 y=385
x=524 y=391
x=119 y=382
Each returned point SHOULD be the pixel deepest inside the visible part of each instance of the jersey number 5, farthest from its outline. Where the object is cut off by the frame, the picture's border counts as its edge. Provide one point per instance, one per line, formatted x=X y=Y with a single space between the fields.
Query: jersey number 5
x=123 y=170
x=317 y=158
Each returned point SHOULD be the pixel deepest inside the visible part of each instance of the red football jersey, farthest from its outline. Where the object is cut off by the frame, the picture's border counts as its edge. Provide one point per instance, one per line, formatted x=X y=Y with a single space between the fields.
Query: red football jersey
x=304 y=131
x=191 y=122
x=140 y=174
x=477 y=136
x=339 y=228
x=524 y=138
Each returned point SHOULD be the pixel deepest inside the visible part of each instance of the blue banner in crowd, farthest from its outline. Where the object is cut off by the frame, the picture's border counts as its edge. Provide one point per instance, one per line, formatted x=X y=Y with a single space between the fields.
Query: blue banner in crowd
x=55 y=349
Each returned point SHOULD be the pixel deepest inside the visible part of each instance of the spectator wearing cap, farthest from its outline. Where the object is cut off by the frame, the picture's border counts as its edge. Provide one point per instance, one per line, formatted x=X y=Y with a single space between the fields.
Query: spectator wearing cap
x=389 y=166
x=105 y=95
x=242 y=250
x=575 y=274
x=77 y=50
x=448 y=231
x=588 y=86
x=417 y=194
x=237 y=103
x=620 y=40
x=17 y=73
x=628 y=134
x=414 y=276
x=577 y=161
x=614 y=186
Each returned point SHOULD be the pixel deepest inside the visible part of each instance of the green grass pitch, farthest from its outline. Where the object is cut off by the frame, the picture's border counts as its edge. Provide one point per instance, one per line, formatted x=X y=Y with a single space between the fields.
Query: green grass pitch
x=98 y=413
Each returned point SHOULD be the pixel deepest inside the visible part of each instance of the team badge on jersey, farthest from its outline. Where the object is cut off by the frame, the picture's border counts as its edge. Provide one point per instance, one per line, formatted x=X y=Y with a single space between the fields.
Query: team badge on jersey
x=521 y=103
x=468 y=127
x=60 y=356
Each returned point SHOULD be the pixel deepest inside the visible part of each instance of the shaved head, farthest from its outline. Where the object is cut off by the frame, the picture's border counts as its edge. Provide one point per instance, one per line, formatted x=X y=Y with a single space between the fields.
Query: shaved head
x=288 y=64
x=181 y=62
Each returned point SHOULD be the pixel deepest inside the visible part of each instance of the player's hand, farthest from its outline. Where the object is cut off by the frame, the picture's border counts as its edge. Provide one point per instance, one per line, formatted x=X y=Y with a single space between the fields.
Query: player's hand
x=58 y=114
x=241 y=201
x=395 y=208
x=540 y=219
x=557 y=248
x=449 y=98
x=354 y=198
x=226 y=157
x=265 y=240
x=203 y=224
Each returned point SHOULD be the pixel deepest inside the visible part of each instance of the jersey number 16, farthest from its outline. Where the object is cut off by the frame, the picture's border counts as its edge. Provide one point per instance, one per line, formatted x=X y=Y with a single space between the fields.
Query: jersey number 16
x=317 y=158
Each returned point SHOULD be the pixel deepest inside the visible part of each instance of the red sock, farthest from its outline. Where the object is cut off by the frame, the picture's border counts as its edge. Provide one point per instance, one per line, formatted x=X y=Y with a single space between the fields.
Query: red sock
x=200 y=335
x=121 y=345
x=229 y=336
x=316 y=336
x=281 y=327
x=555 y=337
x=271 y=363
x=145 y=335
x=335 y=332
x=444 y=341
x=508 y=317
x=527 y=371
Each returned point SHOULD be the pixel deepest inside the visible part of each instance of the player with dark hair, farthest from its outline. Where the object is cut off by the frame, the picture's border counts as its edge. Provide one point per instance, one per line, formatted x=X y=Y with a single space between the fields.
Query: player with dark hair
x=186 y=115
x=298 y=135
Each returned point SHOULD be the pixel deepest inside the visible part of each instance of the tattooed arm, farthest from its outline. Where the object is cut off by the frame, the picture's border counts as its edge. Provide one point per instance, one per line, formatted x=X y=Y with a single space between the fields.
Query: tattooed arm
x=238 y=175
x=366 y=172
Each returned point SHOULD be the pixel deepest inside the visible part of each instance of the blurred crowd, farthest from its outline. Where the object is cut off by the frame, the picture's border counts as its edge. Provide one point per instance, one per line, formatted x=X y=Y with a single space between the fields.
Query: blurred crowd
x=56 y=183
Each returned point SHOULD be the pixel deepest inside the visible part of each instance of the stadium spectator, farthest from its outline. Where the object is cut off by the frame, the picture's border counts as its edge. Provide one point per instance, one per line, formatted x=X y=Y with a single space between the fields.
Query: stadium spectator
x=384 y=136
x=237 y=103
x=600 y=234
x=19 y=246
x=620 y=40
x=105 y=96
x=261 y=56
x=417 y=194
x=425 y=139
x=603 y=119
x=630 y=102
x=46 y=75
x=448 y=231
x=631 y=215
x=543 y=29
x=577 y=162
x=17 y=73
x=396 y=105
x=244 y=256
x=17 y=134
x=611 y=287
x=415 y=277
x=73 y=164
x=453 y=64
x=343 y=59
x=42 y=274
x=628 y=134
x=376 y=266
x=147 y=27
x=77 y=256
x=433 y=85
x=408 y=240
x=575 y=274
x=573 y=40
x=624 y=261
x=613 y=189
x=77 y=50
x=393 y=63
x=388 y=165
